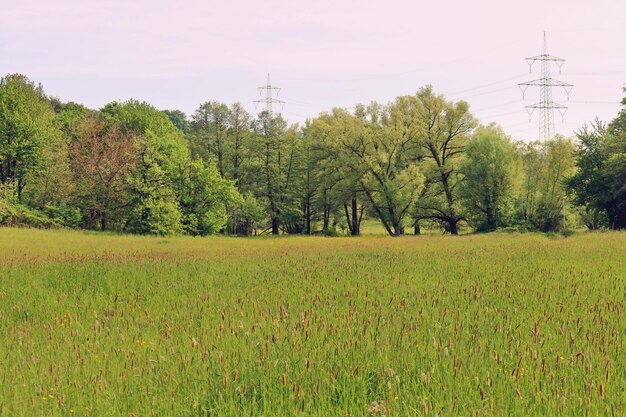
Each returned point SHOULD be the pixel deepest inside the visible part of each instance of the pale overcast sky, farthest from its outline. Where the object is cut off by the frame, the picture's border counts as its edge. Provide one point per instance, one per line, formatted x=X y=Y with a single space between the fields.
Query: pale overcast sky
x=322 y=53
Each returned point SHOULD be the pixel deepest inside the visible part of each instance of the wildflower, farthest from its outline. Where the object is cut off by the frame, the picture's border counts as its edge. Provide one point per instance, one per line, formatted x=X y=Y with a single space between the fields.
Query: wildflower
x=44 y=398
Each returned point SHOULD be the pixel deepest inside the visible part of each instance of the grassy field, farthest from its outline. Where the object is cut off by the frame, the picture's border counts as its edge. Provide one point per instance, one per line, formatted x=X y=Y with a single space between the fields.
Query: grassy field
x=502 y=325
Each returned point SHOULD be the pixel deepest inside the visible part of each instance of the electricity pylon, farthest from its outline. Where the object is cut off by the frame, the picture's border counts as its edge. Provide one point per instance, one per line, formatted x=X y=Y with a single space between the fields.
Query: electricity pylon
x=545 y=105
x=269 y=100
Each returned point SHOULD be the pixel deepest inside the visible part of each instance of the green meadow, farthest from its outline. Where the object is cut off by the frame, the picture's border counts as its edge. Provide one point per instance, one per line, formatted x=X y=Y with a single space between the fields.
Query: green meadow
x=478 y=325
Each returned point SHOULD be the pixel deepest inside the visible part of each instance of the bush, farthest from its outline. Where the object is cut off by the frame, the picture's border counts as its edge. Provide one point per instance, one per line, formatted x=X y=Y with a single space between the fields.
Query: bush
x=549 y=217
x=7 y=212
x=245 y=216
x=63 y=214
x=156 y=216
x=520 y=228
x=18 y=215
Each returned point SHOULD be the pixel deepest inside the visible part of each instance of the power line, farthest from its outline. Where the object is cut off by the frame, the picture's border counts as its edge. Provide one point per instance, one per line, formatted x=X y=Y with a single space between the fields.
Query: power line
x=503 y=114
x=596 y=73
x=486 y=93
x=596 y=102
x=497 y=105
x=430 y=66
x=456 y=93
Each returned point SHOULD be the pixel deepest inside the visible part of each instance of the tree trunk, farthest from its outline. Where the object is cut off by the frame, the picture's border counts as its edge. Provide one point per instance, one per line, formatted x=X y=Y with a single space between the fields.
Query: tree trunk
x=452 y=218
x=275 y=226
x=491 y=219
x=326 y=218
x=7 y=174
x=20 y=187
x=307 y=212
x=103 y=221
x=416 y=228
x=356 y=223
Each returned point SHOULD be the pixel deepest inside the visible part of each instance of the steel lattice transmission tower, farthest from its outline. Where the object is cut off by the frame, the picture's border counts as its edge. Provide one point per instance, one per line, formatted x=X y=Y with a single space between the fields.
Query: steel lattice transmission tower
x=269 y=100
x=546 y=105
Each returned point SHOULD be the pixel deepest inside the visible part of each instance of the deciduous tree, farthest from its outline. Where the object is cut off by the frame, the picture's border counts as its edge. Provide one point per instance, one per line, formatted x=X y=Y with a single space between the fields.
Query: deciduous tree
x=445 y=129
x=27 y=129
x=492 y=176
x=599 y=185
x=102 y=158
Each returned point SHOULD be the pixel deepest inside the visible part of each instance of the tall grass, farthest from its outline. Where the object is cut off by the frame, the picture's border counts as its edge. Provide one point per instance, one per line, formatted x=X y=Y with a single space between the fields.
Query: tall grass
x=502 y=325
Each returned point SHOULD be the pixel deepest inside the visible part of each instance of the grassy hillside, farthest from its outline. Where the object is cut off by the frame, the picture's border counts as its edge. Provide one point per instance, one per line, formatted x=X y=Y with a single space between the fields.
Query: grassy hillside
x=104 y=325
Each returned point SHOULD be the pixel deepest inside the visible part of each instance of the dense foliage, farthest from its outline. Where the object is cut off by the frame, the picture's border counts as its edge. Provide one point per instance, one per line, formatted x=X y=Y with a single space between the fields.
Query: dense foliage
x=599 y=185
x=420 y=161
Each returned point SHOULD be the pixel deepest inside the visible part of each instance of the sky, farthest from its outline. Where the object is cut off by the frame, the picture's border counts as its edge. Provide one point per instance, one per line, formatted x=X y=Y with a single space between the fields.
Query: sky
x=321 y=53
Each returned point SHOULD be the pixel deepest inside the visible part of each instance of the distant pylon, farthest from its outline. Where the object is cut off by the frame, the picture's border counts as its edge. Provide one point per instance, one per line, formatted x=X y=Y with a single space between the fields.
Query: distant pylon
x=546 y=106
x=269 y=100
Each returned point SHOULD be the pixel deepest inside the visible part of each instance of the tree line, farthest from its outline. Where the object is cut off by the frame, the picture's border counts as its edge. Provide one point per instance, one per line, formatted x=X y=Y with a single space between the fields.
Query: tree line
x=419 y=162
